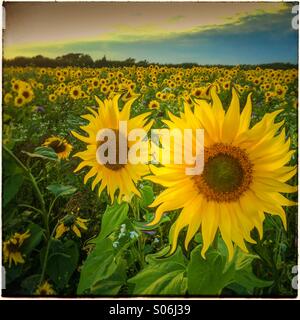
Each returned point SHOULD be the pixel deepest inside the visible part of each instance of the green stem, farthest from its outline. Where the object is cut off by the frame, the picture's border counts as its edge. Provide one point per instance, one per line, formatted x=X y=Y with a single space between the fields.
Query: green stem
x=140 y=240
x=35 y=187
x=31 y=207
x=47 y=254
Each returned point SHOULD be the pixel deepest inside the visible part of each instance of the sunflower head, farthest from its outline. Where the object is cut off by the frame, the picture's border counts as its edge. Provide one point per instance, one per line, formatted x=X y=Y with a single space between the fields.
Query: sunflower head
x=154 y=104
x=45 y=289
x=119 y=176
x=61 y=147
x=12 y=250
x=244 y=176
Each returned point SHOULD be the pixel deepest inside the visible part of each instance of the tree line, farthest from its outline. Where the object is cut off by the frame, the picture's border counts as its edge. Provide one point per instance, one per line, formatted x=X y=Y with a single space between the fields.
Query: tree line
x=85 y=60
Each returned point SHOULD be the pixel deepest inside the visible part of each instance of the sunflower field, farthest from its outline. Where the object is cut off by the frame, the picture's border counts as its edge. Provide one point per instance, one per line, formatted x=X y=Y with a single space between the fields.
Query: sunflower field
x=74 y=227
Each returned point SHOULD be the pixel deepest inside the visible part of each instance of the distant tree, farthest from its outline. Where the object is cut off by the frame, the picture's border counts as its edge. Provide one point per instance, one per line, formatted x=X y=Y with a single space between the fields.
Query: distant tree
x=84 y=60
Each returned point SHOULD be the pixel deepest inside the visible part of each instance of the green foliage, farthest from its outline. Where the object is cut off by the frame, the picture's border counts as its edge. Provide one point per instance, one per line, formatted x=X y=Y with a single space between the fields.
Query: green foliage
x=36 y=236
x=112 y=218
x=62 y=261
x=211 y=275
x=101 y=273
x=12 y=185
x=43 y=153
x=119 y=254
x=162 y=275
x=60 y=190
x=147 y=196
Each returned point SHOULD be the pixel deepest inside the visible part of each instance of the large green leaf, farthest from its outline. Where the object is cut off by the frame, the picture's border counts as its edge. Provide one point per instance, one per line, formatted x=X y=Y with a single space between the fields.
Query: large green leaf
x=147 y=196
x=211 y=275
x=208 y=276
x=11 y=186
x=10 y=167
x=62 y=262
x=244 y=275
x=31 y=283
x=162 y=276
x=113 y=283
x=60 y=190
x=112 y=218
x=36 y=235
x=43 y=153
x=249 y=281
x=101 y=273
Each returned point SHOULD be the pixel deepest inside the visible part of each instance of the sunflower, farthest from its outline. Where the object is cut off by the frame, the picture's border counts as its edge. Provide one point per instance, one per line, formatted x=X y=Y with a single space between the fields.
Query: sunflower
x=12 y=248
x=61 y=146
x=19 y=101
x=27 y=94
x=45 y=289
x=226 y=85
x=243 y=177
x=8 y=97
x=113 y=176
x=197 y=92
x=71 y=222
x=52 y=97
x=154 y=104
x=75 y=92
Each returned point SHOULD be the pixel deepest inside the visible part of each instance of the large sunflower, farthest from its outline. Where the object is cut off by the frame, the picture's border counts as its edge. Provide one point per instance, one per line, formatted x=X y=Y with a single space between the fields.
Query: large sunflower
x=118 y=176
x=243 y=177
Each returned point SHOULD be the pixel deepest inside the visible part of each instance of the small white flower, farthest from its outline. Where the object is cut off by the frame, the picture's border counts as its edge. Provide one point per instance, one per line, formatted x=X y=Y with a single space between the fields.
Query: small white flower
x=115 y=244
x=121 y=234
x=133 y=234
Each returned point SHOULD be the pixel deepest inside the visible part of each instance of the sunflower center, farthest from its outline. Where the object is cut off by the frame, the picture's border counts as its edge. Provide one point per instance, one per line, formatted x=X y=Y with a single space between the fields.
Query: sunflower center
x=26 y=94
x=57 y=146
x=13 y=247
x=223 y=173
x=227 y=173
x=43 y=292
x=113 y=166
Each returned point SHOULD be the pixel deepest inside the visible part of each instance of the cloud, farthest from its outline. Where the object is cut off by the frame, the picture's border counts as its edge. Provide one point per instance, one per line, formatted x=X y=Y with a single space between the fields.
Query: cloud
x=259 y=38
x=175 y=19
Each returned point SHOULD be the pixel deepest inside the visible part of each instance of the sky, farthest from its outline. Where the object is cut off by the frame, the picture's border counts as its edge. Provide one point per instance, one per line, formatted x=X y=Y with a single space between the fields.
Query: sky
x=206 y=33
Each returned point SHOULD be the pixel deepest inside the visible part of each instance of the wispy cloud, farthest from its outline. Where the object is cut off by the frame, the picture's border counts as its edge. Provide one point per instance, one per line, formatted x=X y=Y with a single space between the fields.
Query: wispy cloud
x=256 y=38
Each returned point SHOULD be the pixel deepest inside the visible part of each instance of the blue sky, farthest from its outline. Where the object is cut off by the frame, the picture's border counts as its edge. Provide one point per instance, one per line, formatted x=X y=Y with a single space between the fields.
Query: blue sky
x=213 y=33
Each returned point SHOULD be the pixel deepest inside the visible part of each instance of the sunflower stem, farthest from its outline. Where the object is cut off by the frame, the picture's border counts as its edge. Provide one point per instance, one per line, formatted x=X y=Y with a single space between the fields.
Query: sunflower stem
x=140 y=239
x=47 y=254
x=35 y=187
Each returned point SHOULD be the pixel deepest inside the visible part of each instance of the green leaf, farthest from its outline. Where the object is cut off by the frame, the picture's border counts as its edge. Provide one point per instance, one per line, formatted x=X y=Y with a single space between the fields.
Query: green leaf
x=60 y=190
x=249 y=281
x=101 y=273
x=62 y=262
x=30 y=283
x=211 y=275
x=43 y=153
x=112 y=218
x=36 y=235
x=244 y=275
x=10 y=168
x=162 y=276
x=12 y=185
x=147 y=196
x=112 y=284
x=208 y=276
x=13 y=272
